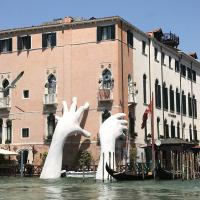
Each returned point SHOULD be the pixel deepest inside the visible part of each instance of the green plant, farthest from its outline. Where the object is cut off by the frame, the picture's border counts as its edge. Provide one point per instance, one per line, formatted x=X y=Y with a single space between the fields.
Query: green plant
x=85 y=158
x=44 y=155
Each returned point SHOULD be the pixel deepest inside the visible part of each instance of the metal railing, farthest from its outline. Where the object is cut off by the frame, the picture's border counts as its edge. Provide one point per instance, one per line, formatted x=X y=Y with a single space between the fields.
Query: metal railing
x=4 y=102
x=50 y=99
x=105 y=95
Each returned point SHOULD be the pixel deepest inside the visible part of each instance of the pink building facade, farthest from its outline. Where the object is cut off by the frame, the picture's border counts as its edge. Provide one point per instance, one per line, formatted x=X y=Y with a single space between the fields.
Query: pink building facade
x=90 y=59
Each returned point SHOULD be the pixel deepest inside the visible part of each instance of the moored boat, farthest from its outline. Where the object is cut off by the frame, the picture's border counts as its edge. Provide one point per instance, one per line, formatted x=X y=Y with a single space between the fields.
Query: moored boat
x=125 y=176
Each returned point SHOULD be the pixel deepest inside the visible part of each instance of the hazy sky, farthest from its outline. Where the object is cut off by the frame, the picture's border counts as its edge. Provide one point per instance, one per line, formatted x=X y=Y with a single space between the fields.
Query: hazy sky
x=179 y=16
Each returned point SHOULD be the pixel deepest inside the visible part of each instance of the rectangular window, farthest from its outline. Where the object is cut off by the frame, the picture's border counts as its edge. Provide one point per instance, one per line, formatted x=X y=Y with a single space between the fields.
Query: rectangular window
x=48 y=40
x=156 y=54
x=194 y=75
x=26 y=94
x=25 y=132
x=177 y=66
x=130 y=38
x=6 y=45
x=170 y=62
x=183 y=70
x=163 y=58
x=24 y=42
x=105 y=33
x=189 y=73
x=143 y=47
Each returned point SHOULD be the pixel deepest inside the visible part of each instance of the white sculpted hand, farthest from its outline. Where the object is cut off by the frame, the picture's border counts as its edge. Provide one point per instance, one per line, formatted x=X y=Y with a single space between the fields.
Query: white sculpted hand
x=67 y=125
x=110 y=130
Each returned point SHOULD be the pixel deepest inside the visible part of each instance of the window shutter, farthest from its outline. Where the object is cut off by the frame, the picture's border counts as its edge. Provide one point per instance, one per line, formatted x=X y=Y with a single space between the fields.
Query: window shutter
x=53 y=39
x=113 y=32
x=99 y=32
x=10 y=44
x=44 y=40
x=28 y=42
x=19 y=43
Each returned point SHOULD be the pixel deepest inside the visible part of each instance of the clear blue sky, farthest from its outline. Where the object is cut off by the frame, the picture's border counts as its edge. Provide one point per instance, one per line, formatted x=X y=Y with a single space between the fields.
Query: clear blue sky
x=179 y=16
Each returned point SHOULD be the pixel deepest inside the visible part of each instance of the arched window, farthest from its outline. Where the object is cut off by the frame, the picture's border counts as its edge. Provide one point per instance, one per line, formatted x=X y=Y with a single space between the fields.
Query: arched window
x=190 y=132
x=177 y=101
x=189 y=105
x=178 y=130
x=9 y=131
x=5 y=83
x=165 y=97
x=171 y=93
x=51 y=124
x=194 y=107
x=51 y=85
x=166 y=129
x=195 y=133
x=157 y=94
x=172 y=130
x=158 y=127
x=144 y=89
x=1 y=130
x=107 y=81
x=105 y=115
x=183 y=103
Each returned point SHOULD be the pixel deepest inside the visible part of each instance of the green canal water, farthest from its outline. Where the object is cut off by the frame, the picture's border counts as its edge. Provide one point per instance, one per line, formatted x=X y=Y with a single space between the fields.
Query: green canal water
x=66 y=188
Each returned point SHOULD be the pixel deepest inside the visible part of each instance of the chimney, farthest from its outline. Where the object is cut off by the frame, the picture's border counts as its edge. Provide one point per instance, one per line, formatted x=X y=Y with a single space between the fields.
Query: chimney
x=194 y=55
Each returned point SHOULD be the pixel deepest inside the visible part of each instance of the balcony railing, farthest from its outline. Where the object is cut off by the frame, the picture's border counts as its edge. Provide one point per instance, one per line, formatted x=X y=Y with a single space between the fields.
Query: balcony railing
x=105 y=95
x=50 y=99
x=4 y=102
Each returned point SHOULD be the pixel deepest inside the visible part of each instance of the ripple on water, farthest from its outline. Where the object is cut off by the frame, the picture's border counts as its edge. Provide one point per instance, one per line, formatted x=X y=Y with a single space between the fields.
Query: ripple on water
x=61 y=189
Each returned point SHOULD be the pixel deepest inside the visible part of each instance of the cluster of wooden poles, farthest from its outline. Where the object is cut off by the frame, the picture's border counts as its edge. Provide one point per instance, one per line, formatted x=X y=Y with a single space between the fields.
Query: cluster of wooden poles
x=184 y=165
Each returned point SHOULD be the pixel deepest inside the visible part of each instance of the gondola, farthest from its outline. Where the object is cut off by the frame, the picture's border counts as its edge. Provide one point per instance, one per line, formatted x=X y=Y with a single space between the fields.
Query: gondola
x=124 y=176
x=163 y=174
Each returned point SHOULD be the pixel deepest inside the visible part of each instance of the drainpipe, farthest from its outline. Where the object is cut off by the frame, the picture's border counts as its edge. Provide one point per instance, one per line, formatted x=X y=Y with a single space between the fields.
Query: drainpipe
x=150 y=69
x=161 y=66
x=181 y=103
x=192 y=99
x=122 y=60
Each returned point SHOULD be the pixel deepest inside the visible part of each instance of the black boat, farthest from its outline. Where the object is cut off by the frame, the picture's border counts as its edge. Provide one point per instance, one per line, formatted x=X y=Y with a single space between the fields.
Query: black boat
x=125 y=176
x=163 y=174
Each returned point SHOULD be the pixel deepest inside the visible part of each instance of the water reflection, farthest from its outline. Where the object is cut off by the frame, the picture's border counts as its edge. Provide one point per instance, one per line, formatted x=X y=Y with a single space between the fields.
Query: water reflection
x=34 y=188
x=53 y=192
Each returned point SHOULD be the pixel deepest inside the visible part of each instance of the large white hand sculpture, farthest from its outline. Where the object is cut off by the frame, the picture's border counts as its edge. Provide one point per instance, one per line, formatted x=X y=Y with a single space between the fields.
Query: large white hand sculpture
x=68 y=124
x=109 y=131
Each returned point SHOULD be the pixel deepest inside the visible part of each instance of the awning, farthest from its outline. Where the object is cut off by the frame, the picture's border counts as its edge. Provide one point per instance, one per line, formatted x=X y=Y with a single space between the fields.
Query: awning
x=6 y=152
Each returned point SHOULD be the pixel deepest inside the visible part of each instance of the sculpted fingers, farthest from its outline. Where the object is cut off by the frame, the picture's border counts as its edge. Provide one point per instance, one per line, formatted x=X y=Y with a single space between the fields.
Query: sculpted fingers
x=119 y=115
x=123 y=122
x=65 y=108
x=73 y=105
x=83 y=131
x=80 y=111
